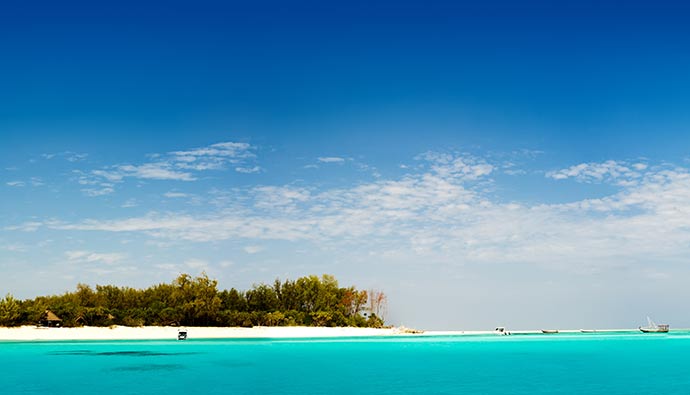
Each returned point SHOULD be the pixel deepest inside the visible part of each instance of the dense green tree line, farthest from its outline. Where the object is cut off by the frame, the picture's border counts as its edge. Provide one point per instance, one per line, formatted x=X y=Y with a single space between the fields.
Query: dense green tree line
x=196 y=301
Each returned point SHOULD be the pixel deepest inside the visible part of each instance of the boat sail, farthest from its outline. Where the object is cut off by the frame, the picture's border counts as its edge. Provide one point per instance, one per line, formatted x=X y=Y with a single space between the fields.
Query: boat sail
x=654 y=328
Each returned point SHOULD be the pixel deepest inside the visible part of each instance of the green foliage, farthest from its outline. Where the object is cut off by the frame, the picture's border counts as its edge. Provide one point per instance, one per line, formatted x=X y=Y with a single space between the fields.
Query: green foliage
x=196 y=301
x=9 y=311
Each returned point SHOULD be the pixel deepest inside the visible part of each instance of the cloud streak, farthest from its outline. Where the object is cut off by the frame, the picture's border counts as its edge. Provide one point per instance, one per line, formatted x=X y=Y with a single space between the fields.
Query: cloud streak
x=609 y=171
x=93 y=257
x=330 y=159
x=184 y=166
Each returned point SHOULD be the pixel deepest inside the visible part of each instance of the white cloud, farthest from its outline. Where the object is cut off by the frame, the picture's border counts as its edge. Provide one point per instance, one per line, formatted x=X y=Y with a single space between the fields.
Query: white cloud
x=154 y=171
x=129 y=203
x=112 y=176
x=213 y=157
x=174 y=195
x=67 y=155
x=93 y=192
x=74 y=157
x=36 y=181
x=30 y=226
x=284 y=198
x=33 y=181
x=610 y=170
x=172 y=166
x=464 y=166
x=330 y=159
x=248 y=170
x=148 y=171
x=93 y=257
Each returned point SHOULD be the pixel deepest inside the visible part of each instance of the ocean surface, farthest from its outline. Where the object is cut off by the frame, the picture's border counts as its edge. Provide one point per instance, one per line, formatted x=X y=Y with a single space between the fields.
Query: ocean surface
x=609 y=364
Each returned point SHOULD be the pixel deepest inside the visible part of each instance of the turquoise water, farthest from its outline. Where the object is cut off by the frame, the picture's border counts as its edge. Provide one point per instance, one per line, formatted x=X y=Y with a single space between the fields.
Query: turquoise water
x=539 y=364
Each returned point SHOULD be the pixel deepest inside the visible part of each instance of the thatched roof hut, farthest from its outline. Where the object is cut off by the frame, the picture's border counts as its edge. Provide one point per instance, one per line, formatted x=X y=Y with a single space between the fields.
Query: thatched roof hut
x=50 y=319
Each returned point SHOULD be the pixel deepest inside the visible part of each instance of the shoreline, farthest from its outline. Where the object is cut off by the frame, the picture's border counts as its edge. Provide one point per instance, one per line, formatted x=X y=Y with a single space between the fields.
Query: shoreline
x=33 y=333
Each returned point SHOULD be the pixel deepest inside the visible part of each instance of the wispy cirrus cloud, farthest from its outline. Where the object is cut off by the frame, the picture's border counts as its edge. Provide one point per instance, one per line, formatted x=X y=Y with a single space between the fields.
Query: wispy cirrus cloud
x=29 y=226
x=597 y=172
x=175 y=195
x=213 y=157
x=33 y=181
x=283 y=198
x=184 y=165
x=147 y=171
x=105 y=189
x=66 y=155
x=464 y=166
x=330 y=159
x=248 y=170
x=80 y=256
x=337 y=160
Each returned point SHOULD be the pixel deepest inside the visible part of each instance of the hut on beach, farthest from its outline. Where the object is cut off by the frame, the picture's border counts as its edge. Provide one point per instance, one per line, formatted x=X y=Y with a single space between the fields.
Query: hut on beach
x=51 y=320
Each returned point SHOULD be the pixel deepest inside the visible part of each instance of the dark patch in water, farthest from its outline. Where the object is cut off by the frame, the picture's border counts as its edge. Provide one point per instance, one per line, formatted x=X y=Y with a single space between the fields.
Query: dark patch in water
x=149 y=367
x=135 y=353
x=121 y=353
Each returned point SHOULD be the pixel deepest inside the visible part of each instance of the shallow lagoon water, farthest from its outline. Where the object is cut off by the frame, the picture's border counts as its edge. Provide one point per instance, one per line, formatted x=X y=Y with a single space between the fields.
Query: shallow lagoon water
x=626 y=363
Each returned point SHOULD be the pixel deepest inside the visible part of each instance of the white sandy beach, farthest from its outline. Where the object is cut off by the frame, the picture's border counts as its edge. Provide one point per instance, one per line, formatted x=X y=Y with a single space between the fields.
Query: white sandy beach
x=31 y=333
x=28 y=333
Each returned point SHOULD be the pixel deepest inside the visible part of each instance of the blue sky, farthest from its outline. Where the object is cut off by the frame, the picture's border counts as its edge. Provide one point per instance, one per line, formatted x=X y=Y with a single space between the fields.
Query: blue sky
x=483 y=164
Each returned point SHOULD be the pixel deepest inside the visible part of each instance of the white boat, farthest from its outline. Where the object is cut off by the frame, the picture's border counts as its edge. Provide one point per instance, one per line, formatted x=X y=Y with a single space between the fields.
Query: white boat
x=549 y=331
x=654 y=328
x=500 y=330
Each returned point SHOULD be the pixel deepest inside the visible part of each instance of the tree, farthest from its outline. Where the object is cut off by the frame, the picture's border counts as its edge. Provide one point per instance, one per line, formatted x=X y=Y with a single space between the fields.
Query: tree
x=262 y=298
x=9 y=311
x=378 y=303
x=233 y=300
x=197 y=298
x=187 y=300
x=353 y=301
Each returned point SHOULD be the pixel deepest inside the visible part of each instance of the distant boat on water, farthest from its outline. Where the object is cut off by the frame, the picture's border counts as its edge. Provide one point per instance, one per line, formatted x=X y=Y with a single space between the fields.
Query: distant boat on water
x=500 y=330
x=549 y=331
x=588 y=330
x=654 y=328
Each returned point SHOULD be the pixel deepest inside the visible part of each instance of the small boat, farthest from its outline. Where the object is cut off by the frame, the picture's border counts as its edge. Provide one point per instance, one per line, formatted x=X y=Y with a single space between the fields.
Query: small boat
x=182 y=334
x=500 y=330
x=654 y=328
x=549 y=331
x=588 y=330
